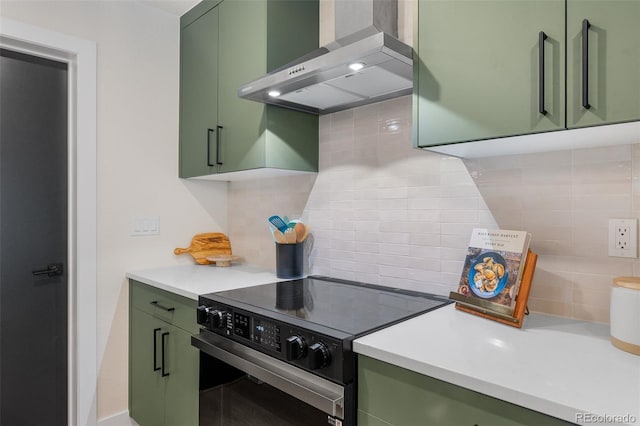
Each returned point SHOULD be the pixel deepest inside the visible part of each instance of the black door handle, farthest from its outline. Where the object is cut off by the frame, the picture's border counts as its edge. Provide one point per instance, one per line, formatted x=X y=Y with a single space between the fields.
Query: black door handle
x=585 y=63
x=541 y=38
x=155 y=350
x=218 y=144
x=53 y=269
x=209 y=131
x=164 y=364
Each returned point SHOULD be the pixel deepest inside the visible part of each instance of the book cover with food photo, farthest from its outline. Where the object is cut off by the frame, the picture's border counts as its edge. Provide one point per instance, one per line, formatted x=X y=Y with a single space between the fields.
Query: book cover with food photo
x=493 y=268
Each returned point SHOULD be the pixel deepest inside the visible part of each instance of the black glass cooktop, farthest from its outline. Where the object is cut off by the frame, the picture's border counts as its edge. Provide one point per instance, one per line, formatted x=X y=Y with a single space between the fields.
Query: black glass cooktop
x=346 y=306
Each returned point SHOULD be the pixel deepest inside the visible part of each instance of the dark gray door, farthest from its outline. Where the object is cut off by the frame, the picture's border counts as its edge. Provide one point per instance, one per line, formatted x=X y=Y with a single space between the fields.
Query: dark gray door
x=33 y=236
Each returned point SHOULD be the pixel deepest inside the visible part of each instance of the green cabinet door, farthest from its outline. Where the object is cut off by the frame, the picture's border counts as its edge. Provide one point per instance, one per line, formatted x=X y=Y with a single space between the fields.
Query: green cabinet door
x=199 y=96
x=182 y=365
x=613 y=61
x=476 y=75
x=393 y=396
x=146 y=386
x=255 y=37
x=242 y=58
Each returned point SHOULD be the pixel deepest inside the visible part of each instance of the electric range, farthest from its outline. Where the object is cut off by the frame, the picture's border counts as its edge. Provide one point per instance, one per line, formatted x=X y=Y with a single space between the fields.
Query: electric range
x=305 y=327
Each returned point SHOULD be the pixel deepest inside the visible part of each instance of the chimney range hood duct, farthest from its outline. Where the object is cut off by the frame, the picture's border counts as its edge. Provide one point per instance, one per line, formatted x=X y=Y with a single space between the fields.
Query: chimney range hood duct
x=366 y=64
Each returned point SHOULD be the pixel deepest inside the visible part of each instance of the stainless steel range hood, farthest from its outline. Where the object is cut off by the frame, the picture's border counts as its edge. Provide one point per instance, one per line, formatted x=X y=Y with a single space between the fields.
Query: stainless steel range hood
x=325 y=81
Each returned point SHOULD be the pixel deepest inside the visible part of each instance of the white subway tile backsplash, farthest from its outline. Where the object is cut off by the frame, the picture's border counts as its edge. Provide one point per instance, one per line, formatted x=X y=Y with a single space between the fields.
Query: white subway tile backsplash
x=619 y=171
x=602 y=202
x=384 y=213
x=609 y=154
x=554 y=159
x=424 y=264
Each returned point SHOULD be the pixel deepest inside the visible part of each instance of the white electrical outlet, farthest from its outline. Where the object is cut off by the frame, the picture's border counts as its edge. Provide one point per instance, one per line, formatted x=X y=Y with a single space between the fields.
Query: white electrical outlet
x=623 y=238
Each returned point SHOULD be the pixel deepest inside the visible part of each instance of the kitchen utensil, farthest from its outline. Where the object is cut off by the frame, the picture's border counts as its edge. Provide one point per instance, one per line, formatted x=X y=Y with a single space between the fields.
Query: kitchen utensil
x=300 y=229
x=277 y=221
x=279 y=236
x=290 y=235
x=206 y=244
x=307 y=228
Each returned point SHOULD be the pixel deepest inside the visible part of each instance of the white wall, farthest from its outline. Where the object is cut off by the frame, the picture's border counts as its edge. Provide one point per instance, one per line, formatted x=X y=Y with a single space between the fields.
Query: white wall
x=138 y=70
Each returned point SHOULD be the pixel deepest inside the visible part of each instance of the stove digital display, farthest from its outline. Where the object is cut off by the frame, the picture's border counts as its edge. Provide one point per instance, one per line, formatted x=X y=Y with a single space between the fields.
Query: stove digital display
x=241 y=325
x=267 y=334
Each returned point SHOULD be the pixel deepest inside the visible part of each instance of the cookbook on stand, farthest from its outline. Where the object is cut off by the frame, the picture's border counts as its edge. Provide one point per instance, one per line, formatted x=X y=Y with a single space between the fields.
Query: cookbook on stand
x=493 y=270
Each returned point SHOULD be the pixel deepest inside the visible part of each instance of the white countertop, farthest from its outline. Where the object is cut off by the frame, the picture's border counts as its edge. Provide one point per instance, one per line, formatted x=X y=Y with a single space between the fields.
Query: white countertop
x=193 y=280
x=554 y=365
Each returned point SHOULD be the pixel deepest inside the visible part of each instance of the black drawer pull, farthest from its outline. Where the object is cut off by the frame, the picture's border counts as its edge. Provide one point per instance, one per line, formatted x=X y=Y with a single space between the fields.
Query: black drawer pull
x=158 y=305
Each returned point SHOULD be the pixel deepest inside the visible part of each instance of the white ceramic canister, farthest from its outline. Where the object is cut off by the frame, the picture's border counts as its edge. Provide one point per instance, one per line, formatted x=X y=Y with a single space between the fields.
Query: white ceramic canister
x=625 y=314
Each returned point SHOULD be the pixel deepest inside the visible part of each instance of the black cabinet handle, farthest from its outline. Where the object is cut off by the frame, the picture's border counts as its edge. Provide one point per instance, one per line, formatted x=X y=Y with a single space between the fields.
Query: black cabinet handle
x=158 y=305
x=585 y=63
x=155 y=346
x=541 y=38
x=218 y=144
x=209 y=131
x=164 y=364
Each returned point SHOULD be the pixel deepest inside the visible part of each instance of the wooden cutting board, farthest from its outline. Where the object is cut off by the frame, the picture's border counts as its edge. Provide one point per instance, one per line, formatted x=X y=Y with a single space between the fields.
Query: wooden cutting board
x=207 y=245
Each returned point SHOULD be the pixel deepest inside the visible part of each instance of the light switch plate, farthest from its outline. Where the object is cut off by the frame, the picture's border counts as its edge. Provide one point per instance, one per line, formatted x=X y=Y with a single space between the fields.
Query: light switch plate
x=623 y=238
x=146 y=226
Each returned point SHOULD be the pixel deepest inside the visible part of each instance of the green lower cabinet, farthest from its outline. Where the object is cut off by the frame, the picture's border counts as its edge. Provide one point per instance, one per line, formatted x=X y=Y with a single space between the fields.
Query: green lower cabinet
x=146 y=386
x=181 y=396
x=163 y=366
x=392 y=396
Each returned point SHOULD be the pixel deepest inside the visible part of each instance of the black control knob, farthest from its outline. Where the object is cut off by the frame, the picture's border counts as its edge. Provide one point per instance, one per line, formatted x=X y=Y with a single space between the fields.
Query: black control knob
x=319 y=356
x=295 y=348
x=216 y=319
x=202 y=314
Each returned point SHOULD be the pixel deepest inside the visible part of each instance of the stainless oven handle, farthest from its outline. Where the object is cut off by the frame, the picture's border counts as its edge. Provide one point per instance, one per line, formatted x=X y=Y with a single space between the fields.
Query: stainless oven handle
x=314 y=390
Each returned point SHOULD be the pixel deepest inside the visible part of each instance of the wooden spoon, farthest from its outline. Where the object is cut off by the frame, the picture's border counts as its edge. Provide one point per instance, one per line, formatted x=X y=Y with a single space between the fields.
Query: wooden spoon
x=280 y=237
x=300 y=230
x=307 y=228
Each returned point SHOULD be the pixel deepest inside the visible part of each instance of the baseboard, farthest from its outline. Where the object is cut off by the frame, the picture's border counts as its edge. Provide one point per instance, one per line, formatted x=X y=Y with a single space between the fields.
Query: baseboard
x=120 y=419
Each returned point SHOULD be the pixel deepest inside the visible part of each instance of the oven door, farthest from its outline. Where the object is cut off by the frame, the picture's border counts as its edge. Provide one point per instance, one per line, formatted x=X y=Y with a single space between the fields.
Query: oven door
x=241 y=386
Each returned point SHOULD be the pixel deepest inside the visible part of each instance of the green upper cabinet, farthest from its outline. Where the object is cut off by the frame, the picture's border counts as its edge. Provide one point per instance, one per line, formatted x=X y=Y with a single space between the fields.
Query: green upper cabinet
x=199 y=95
x=224 y=45
x=612 y=36
x=485 y=69
x=476 y=75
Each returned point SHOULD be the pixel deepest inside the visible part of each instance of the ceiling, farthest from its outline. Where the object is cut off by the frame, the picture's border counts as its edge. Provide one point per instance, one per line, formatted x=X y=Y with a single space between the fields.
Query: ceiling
x=175 y=7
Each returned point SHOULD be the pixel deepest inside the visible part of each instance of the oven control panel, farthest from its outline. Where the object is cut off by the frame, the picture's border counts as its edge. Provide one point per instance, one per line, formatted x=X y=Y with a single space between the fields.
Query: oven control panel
x=321 y=354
